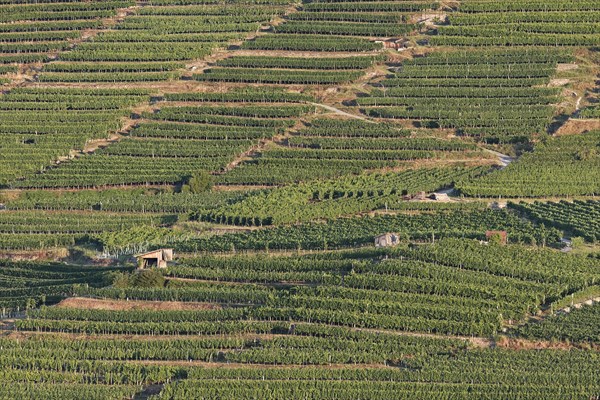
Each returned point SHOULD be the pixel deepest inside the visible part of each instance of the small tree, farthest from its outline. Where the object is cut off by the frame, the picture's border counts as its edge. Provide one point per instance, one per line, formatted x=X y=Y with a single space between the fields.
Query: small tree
x=147 y=278
x=200 y=182
x=30 y=304
x=120 y=280
x=577 y=242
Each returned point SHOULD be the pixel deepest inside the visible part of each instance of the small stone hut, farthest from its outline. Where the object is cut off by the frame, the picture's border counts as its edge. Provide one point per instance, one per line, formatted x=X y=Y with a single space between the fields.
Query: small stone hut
x=154 y=259
x=498 y=205
x=440 y=197
x=420 y=196
x=387 y=240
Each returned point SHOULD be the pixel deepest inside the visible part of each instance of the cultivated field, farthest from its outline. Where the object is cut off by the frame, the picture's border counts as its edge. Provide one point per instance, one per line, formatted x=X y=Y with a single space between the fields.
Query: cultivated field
x=271 y=144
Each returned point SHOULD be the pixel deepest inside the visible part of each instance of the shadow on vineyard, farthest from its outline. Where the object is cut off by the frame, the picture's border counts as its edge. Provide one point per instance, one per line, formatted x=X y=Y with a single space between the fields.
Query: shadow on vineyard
x=558 y=122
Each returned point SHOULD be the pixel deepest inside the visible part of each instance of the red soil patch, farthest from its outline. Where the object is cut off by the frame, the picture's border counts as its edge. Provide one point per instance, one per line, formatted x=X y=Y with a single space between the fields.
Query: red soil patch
x=121 y=305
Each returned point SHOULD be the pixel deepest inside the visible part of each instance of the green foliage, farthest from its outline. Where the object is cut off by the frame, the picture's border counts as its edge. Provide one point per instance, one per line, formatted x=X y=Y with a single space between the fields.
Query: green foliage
x=159 y=153
x=577 y=242
x=520 y=23
x=147 y=278
x=41 y=125
x=139 y=200
x=330 y=148
x=578 y=325
x=552 y=169
x=468 y=91
x=120 y=280
x=577 y=217
x=200 y=182
x=132 y=240
x=29 y=284
x=586 y=154
x=335 y=320
x=344 y=195
x=495 y=239
x=352 y=232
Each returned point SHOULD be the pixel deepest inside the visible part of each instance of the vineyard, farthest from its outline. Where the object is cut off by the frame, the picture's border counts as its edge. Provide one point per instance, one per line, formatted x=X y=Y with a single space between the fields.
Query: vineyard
x=521 y=23
x=151 y=43
x=48 y=125
x=328 y=148
x=481 y=93
x=547 y=171
x=392 y=199
x=360 y=231
x=261 y=314
x=504 y=50
x=27 y=285
x=43 y=229
x=579 y=325
x=335 y=198
x=579 y=217
x=172 y=143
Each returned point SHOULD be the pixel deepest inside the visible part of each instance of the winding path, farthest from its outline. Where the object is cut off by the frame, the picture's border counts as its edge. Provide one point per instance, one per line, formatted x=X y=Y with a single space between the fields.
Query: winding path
x=344 y=113
x=503 y=158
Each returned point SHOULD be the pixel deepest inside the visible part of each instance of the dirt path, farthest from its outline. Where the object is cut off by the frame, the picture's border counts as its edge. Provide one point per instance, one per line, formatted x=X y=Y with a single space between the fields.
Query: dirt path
x=344 y=113
x=524 y=344
x=577 y=105
x=504 y=159
x=243 y=156
x=233 y=365
x=290 y=53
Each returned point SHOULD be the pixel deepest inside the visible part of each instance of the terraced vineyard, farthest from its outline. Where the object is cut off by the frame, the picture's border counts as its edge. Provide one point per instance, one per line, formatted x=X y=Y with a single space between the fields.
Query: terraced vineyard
x=154 y=42
x=579 y=217
x=27 y=285
x=43 y=229
x=360 y=231
x=563 y=166
x=172 y=143
x=334 y=198
x=270 y=144
x=330 y=147
x=481 y=93
x=246 y=319
x=51 y=124
x=580 y=325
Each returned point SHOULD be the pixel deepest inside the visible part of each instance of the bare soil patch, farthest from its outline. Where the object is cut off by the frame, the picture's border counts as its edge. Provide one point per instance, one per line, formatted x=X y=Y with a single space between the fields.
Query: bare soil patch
x=308 y=54
x=558 y=82
x=566 y=67
x=577 y=126
x=524 y=344
x=125 y=305
x=429 y=19
x=34 y=255
x=262 y=366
